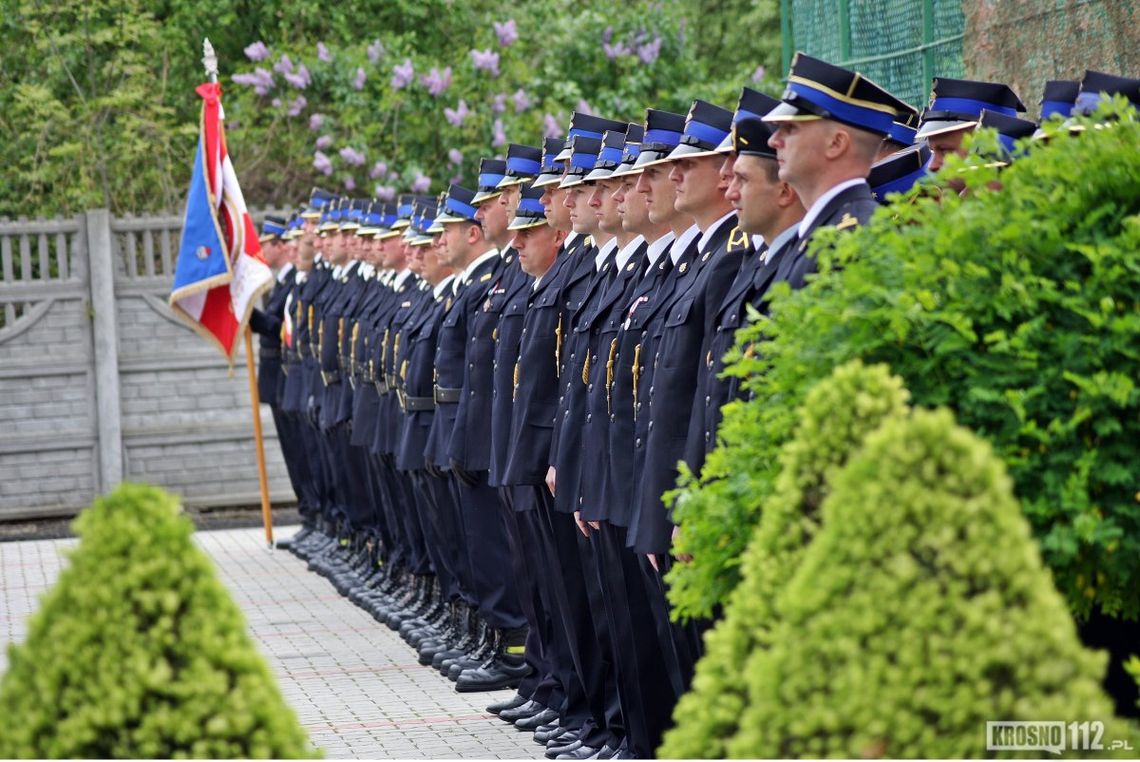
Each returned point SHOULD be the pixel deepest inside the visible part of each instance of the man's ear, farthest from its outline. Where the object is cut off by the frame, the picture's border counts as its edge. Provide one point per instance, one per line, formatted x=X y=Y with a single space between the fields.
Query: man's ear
x=838 y=143
x=474 y=234
x=559 y=237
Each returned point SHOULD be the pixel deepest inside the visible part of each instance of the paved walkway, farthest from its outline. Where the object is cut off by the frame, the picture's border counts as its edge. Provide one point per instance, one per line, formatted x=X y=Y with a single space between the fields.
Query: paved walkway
x=355 y=685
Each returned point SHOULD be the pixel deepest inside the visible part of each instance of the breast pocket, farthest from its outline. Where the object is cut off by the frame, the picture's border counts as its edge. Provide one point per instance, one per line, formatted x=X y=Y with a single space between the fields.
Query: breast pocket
x=679 y=312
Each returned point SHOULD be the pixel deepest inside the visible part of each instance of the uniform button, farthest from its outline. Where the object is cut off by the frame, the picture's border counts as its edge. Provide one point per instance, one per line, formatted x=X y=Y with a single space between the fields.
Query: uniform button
x=651 y=425
x=613 y=417
x=472 y=392
x=708 y=400
x=732 y=317
x=589 y=417
x=706 y=436
x=637 y=443
x=590 y=388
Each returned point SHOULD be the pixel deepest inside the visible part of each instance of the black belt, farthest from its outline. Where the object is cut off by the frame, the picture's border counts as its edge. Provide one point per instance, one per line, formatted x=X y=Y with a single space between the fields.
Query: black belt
x=269 y=353
x=416 y=404
x=330 y=377
x=447 y=395
x=381 y=387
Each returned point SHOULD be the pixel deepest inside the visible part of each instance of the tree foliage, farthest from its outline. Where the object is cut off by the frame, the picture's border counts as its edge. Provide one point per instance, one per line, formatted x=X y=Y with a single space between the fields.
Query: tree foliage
x=139 y=652
x=99 y=110
x=1016 y=306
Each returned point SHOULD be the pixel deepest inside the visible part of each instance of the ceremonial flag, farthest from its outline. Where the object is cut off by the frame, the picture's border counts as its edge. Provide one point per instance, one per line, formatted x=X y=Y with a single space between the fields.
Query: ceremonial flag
x=221 y=271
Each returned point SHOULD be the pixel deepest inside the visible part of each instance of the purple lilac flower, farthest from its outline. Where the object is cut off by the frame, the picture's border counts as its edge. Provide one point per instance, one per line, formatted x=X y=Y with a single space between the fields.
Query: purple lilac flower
x=458 y=115
x=283 y=65
x=261 y=80
x=436 y=81
x=375 y=51
x=455 y=179
x=617 y=50
x=402 y=74
x=257 y=51
x=393 y=176
x=759 y=74
x=299 y=79
x=349 y=183
x=486 y=60
x=507 y=32
x=522 y=101
x=297 y=105
x=499 y=103
x=455 y=156
x=584 y=107
x=378 y=169
x=321 y=163
x=351 y=156
x=316 y=121
x=607 y=34
x=551 y=126
x=500 y=137
x=324 y=141
x=649 y=52
x=384 y=192
x=421 y=183
x=275 y=103
x=361 y=76
x=323 y=53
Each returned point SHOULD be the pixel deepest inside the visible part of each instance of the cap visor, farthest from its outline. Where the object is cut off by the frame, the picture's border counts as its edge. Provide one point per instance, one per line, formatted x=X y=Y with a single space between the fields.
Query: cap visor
x=598 y=173
x=482 y=196
x=563 y=155
x=311 y=214
x=547 y=179
x=725 y=145
x=449 y=218
x=625 y=170
x=930 y=129
x=522 y=223
x=786 y=112
x=509 y=181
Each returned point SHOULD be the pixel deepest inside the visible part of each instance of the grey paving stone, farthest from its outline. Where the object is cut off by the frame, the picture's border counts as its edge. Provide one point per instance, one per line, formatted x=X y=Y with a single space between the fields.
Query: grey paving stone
x=354 y=684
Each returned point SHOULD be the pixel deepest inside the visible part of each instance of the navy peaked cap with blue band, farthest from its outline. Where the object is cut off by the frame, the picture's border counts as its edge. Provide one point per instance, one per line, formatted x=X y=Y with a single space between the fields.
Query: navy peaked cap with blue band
x=662 y=134
x=583 y=155
x=752 y=104
x=457 y=206
x=530 y=212
x=820 y=90
x=705 y=127
x=1097 y=86
x=957 y=104
x=523 y=163
x=1010 y=129
x=634 y=132
x=750 y=137
x=587 y=126
x=551 y=168
x=1059 y=97
x=899 y=172
x=272 y=227
x=609 y=157
x=906 y=120
x=491 y=173
x=318 y=199
x=629 y=155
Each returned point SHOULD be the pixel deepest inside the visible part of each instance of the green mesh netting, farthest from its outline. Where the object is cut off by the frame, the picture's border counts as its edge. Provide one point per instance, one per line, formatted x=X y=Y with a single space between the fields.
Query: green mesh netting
x=1027 y=42
x=901 y=44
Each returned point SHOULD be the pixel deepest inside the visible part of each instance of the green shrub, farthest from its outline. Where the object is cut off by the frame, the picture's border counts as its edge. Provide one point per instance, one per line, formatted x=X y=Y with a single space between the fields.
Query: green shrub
x=920 y=611
x=1018 y=309
x=138 y=651
x=835 y=418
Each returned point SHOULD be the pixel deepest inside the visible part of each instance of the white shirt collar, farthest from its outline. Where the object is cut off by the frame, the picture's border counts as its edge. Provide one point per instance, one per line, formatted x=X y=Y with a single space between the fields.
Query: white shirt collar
x=627 y=251
x=442 y=286
x=658 y=247
x=401 y=277
x=707 y=235
x=366 y=271
x=301 y=276
x=779 y=242
x=822 y=201
x=571 y=237
x=683 y=242
x=757 y=241
x=283 y=273
x=604 y=253
x=337 y=269
x=465 y=276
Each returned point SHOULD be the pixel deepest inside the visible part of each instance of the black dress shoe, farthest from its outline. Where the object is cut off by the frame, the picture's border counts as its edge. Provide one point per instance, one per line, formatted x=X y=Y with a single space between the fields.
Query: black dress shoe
x=552 y=752
x=582 y=752
x=529 y=709
x=512 y=703
x=566 y=738
x=544 y=733
x=606 y=752
x=530 y=723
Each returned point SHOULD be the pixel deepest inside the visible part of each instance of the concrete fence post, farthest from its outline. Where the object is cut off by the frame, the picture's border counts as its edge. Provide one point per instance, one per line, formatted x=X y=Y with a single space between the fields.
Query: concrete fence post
x=101 y=271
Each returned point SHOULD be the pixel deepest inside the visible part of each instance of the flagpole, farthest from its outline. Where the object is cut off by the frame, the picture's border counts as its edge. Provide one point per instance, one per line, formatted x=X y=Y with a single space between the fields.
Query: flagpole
x=210 y=62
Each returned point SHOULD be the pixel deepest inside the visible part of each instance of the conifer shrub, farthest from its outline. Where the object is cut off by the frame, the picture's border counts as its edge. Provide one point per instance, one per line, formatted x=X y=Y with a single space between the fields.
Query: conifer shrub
x=1015 y=306
x=919 y=611
x=835 y=418
x=139 y=652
